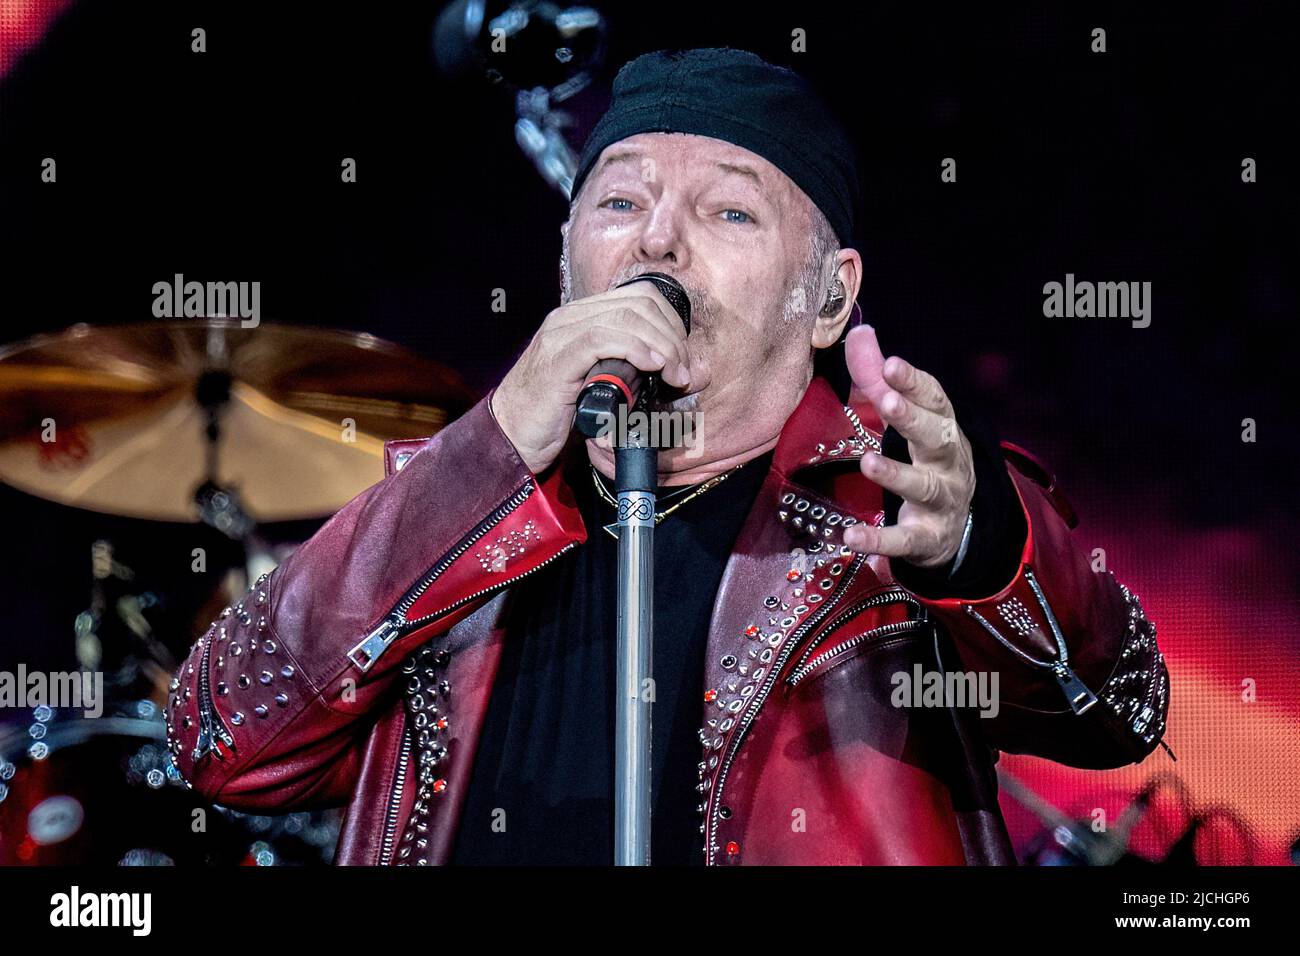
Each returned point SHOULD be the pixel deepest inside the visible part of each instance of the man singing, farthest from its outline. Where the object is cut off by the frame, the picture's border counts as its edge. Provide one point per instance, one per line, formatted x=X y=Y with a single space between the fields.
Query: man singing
x=835 y=576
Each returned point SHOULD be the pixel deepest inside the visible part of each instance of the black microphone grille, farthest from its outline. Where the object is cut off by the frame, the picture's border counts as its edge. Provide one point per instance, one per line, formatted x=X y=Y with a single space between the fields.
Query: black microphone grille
x=671 y=290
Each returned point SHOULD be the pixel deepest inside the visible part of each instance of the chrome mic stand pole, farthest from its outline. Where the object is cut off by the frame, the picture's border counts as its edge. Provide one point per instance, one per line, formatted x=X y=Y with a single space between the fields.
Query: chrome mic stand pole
x=636 y=467
x=635 y=481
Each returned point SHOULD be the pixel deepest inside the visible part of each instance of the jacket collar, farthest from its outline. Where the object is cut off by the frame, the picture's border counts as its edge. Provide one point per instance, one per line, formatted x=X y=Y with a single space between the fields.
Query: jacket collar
x=823 y=430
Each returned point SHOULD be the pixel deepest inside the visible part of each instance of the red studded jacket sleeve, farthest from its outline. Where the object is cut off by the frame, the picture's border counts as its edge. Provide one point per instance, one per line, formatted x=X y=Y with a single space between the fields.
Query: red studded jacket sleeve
x=275 y=703
x=1081 y=679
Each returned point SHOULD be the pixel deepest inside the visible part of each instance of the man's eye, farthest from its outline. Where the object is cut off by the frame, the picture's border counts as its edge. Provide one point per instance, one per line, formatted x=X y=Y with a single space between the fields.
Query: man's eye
x=736 y=216
x=612 y=204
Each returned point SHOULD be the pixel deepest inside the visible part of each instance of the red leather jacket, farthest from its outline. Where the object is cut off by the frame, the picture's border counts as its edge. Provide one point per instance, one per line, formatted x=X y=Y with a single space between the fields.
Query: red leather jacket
x=360 y=670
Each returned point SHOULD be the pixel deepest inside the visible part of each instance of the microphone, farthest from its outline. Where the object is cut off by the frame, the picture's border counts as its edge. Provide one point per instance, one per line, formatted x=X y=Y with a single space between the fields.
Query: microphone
x=614 y=382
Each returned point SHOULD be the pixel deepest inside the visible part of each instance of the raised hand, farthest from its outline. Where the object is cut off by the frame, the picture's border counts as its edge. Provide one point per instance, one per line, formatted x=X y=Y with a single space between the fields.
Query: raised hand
x=938 y=486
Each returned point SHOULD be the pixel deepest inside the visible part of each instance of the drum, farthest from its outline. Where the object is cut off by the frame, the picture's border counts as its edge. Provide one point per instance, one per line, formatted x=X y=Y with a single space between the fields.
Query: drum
x=102 y=791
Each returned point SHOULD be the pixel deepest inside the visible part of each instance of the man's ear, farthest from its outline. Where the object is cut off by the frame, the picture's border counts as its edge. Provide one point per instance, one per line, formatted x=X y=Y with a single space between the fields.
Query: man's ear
x=834 y=311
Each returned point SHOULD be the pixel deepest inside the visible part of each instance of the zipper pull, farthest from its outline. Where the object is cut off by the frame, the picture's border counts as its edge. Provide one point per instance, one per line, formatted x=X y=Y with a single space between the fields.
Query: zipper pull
x=209 y=742
x=374 y=644
x=204 y=745
x=1076 y=692
x=214 y=738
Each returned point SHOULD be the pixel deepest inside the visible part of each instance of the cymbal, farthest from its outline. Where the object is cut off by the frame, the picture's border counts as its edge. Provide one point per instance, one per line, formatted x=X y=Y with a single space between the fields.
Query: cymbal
x=108 y=418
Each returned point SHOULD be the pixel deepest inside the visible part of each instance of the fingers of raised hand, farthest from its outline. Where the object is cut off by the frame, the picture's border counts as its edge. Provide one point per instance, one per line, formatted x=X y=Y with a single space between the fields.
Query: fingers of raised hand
x=919 y=386
x=904 y=541
x=931 y=436
x=920 y=485
x=865 y=362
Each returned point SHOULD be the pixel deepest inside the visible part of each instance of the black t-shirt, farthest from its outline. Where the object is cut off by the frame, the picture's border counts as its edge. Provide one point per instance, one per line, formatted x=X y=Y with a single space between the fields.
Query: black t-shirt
x=542 y=787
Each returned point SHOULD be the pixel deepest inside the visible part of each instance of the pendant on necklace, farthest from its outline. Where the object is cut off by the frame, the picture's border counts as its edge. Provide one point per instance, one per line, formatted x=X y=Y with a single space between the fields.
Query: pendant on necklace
x=612 y=527
x=699 y=489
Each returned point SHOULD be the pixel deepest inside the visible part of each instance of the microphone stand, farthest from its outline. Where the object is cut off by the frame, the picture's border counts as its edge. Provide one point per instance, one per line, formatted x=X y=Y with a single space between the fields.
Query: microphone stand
x=636 y=471
x=635 y=482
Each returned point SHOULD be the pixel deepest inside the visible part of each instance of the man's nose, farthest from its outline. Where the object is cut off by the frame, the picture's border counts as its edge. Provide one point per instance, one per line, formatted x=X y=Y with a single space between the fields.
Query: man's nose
x=663 y=239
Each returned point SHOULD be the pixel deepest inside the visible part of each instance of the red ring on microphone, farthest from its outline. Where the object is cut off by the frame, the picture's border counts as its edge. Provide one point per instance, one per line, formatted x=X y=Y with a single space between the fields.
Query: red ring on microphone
x=613 y=380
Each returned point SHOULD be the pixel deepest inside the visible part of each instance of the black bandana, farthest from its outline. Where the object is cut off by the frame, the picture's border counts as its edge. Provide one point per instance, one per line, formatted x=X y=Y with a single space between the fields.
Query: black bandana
x=736 y=96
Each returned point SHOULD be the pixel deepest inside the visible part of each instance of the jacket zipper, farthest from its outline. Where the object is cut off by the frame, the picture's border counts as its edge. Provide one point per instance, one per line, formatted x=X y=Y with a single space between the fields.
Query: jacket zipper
x=213 y=732
x=1076 y=692
x=885 y=630
x=756 y=703
x=395 y=624
x=879 y=599
x=395 y=800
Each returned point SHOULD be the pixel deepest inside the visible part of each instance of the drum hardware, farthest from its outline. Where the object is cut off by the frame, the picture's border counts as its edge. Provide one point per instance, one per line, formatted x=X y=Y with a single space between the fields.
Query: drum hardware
x=196 y=420
x=217 y=506
x=1070 y=842
x=128 y=419
x=551 y=53
x=103 y=791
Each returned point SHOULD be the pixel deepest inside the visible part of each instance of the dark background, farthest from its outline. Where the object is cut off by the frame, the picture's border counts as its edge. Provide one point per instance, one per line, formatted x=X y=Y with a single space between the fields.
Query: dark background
x=1122 y=166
